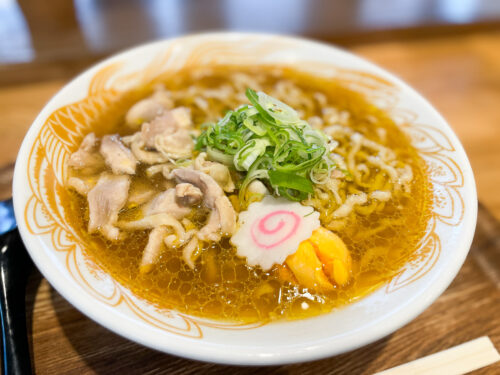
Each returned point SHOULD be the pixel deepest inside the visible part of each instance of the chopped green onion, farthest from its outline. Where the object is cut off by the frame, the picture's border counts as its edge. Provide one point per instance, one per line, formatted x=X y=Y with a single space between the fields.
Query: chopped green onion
x=219 y=156
x=290 y=181
x=247 y=155
x=254 y=126
x=279 y=111
x=269 y=142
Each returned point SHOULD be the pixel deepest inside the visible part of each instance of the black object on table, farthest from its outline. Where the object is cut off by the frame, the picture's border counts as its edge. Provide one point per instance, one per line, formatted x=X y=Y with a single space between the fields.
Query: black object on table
x=15 y=266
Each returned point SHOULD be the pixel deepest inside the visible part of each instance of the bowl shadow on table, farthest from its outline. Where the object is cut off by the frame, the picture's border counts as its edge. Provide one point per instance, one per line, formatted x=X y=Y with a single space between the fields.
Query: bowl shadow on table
x=104 y=352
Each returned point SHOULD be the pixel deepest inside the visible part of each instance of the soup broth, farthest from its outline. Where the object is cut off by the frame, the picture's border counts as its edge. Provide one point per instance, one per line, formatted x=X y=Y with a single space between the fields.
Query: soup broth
x=381 y=236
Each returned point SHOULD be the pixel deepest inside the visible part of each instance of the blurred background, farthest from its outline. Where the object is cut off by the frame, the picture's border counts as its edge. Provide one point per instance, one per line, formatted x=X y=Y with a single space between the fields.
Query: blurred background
x=59 y=37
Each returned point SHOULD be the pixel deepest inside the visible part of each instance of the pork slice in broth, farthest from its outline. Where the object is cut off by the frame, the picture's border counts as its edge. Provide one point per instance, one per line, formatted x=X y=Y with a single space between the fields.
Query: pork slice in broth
x=219 y=172
x=82 y=185
x=182 y=117
x=140 y=193
x=222 y=220
x=153 y=248
x=87 y=156
x=105 y=200
x=164 y=124
x=211 y=231
x=187 y=194
x=227 y=215
x=117 y=156
x=176 y=145
x=169 y=133
x=208 y=186
x=166 y=202
x=147 y=109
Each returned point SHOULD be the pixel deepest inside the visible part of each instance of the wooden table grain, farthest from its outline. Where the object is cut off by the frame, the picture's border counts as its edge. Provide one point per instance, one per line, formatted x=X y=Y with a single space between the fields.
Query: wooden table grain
x=460 y=75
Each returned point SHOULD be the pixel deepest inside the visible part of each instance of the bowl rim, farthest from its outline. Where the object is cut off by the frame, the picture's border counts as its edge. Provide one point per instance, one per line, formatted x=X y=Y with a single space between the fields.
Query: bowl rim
x=210 y=352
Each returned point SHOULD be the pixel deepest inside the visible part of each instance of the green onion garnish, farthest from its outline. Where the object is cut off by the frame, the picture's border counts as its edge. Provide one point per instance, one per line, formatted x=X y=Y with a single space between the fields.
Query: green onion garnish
x=269 y=142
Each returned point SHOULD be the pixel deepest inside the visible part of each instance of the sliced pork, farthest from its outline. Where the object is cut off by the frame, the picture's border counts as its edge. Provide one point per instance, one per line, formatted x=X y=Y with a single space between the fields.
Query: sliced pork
x=139 y=194
x=157 y=220
x=222 y=220
x=188 y=195
x=227 y=215
x=168 y=133
x=148 y=157
x=147 y=109
x=82 y=185
x=163 y=124
x=177 y=145
x=118 y=157
x=167 y=123
x=105 y=201
x=211 y=231
x=219 y=172
x=153 y=248
x=87 y=156
x=166 y=202
x=188 y=251
x=182 y=117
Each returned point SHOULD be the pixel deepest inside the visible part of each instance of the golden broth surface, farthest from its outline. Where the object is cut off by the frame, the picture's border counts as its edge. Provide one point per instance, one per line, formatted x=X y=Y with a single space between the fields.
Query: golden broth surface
x=222 y=286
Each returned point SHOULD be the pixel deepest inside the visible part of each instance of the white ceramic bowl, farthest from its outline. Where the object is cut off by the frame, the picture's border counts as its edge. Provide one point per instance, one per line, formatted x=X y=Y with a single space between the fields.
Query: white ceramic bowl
x=57 y=252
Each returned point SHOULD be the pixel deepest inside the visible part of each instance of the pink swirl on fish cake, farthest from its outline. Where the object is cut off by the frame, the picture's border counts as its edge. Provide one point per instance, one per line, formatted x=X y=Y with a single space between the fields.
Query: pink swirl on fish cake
x=259 y=226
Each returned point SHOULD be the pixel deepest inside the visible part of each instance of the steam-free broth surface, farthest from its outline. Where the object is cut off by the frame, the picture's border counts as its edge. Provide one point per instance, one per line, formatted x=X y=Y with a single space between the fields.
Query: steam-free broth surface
x=381 y=236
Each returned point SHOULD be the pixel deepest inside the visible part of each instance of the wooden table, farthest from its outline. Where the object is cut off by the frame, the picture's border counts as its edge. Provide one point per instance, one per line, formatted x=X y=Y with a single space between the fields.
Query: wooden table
x=460 y=75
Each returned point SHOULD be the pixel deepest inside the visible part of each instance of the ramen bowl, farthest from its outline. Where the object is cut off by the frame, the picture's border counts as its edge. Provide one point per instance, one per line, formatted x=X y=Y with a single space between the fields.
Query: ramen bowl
x=59 y=253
